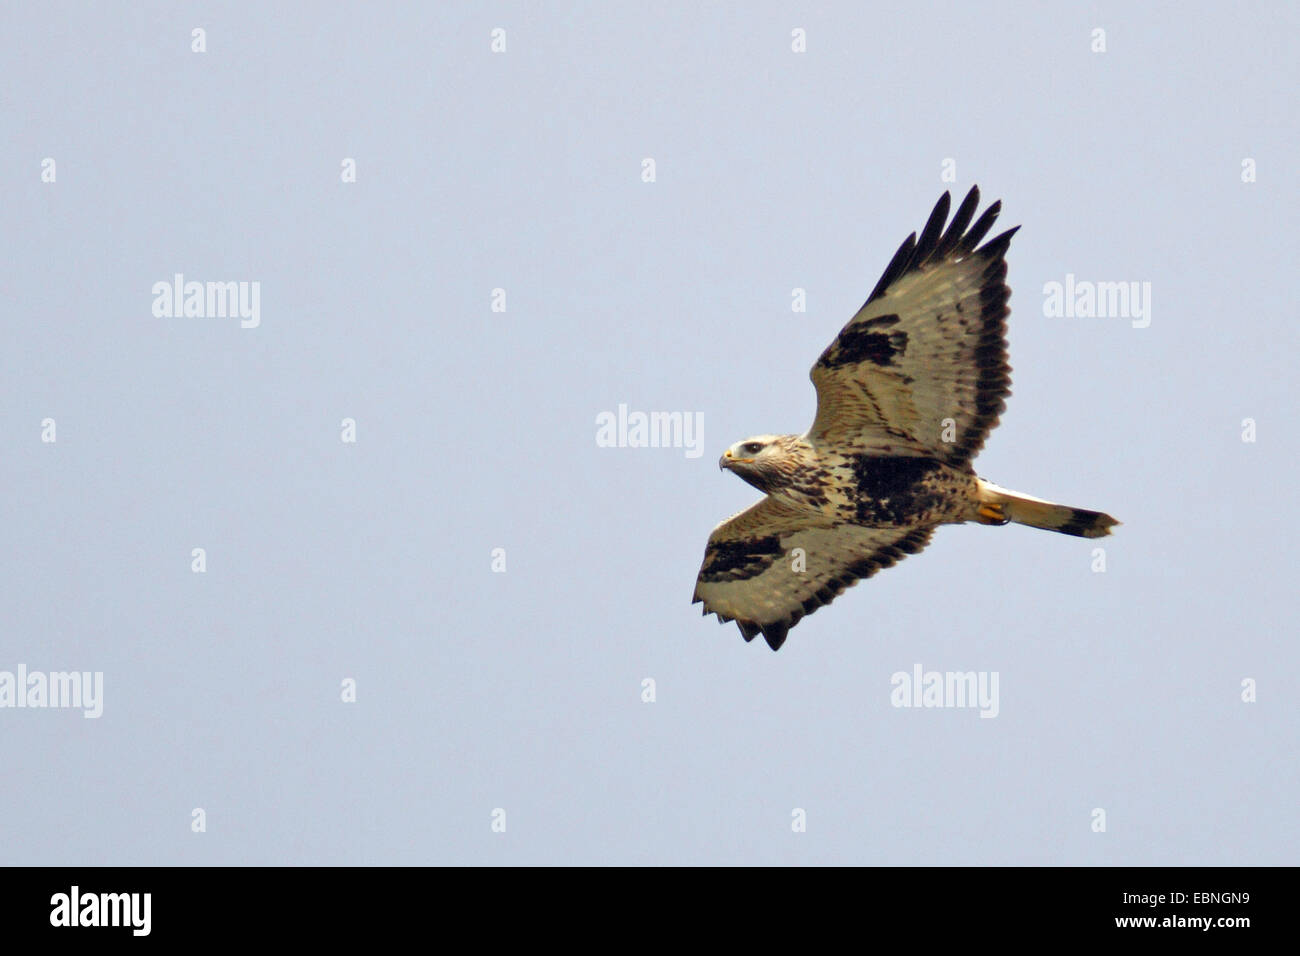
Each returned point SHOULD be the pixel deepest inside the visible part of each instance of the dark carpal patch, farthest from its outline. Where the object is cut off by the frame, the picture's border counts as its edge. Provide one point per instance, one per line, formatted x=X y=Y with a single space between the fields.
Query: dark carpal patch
x=737 y=560
x=864 y=342
x=892 y=490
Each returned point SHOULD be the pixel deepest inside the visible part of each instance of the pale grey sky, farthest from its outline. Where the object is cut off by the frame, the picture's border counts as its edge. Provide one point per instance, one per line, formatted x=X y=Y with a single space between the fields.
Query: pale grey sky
x=476 y=430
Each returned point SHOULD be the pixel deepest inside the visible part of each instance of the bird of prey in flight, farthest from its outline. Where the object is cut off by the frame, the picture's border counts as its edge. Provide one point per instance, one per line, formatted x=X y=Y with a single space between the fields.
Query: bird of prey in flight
x=906 y=395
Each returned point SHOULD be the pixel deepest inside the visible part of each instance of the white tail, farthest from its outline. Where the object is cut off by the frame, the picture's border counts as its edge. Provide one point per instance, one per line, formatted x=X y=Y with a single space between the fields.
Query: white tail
x=999 y=503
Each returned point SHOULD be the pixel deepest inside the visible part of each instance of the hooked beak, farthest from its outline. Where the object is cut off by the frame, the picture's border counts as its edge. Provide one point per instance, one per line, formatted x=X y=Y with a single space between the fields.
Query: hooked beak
x=728 y=460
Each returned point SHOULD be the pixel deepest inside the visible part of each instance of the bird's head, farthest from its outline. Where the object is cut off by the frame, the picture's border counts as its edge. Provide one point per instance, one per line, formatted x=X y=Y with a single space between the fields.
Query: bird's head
x=763 y=461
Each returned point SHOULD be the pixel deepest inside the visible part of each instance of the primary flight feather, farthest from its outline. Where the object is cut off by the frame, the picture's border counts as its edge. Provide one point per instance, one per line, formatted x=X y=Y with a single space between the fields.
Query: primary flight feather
x=906 y=395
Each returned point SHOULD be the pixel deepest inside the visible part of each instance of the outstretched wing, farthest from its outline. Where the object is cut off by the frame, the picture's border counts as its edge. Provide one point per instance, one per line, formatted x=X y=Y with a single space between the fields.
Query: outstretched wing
x=927 y=346
x=751 y=572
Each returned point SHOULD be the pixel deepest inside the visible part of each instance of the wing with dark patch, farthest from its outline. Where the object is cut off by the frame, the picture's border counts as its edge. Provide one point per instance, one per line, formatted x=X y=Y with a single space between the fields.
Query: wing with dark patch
x=922 y=368
x=753 y=574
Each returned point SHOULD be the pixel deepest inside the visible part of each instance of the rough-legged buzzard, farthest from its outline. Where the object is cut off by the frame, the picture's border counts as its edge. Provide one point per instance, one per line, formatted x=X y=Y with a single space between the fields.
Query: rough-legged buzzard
x=906 y=395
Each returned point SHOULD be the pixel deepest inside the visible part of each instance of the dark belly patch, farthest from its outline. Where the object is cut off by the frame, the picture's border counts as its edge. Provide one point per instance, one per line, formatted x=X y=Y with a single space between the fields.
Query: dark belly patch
x=894 y=490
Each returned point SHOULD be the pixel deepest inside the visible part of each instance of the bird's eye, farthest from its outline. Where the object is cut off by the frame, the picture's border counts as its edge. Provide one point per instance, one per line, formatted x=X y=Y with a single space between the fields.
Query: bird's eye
x=751 y=448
